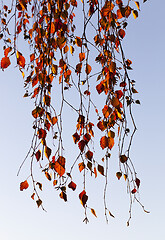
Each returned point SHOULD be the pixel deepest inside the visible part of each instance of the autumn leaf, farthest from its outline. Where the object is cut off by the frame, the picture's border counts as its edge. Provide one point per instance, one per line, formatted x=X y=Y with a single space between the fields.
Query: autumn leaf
x=89 y=155
x=81 y=145
x=54 y=120
x=93 y=212
x=39 y=202
x=118 y=175
x=24 y=185
x=38 y=155
x=63 y=196
x=100 y=169
x=88 y=69
x=59 y=166
x=137 y=181
x=48 y=176
x=20 y=60
x=121 y=33
x=135 y=13
x=76 y=137
x=47 y=152
x=78 y=41
x=87 y=137
x=5 y=62
x=39 y=185
x=110 y=142
x=104 y=142
x=83 y=198
x=81 y=166
x=123 y=158
x=134 y=191
x=32 y=196
x=95 y=172
x=81 y=56
x=72 y=185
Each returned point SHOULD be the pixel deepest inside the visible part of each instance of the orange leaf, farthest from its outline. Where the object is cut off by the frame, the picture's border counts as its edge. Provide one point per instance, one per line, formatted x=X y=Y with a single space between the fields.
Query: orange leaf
x=81 y=166
x=104 y=142
x=93 y=212
x=110 y=142
x=106 y=111
x=24 y=185
x=54 y=120
x=78 y=41
x=20 y=60
x=81 y=56
x=95 y=172
x=5 y=62
x=59 y=166
x=101 y=125
x=32 y=57
x=7 y=50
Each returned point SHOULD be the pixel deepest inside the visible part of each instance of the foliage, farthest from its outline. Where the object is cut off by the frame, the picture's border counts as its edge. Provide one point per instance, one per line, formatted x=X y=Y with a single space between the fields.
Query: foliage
x=61 y=55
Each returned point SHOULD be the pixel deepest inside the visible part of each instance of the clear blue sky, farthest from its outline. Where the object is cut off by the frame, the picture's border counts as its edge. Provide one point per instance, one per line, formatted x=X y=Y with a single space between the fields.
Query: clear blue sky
x=19 y=216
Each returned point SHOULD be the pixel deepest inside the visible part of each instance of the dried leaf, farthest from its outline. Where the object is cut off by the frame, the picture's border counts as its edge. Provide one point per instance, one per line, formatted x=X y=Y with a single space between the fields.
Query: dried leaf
x=123 y=158
x=48 y=176
x=88 y=69
x=89 y=155
x=63 y=196
x=137 y=181
x=83 y=198
x=38 y=155
x=59 y=166
x=104 y=142
x=81 y=56
x=81 y=145
x=39 y=185
x=135 y=13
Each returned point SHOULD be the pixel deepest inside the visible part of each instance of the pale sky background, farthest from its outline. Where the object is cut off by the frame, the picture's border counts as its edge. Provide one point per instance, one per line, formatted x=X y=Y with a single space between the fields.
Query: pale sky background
x=19 y=216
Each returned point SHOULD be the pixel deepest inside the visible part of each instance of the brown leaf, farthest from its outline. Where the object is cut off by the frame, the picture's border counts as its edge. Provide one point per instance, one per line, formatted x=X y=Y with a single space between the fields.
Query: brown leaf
x=89 y=155
x=81 y=145
x=100 y=169
x=20 y=60
x=76 y=137
x=63 y=196
x=39 y=202
x=78 y=41
x=123 y=158
x=72 y=185
x=39 y=185
x=118 y=175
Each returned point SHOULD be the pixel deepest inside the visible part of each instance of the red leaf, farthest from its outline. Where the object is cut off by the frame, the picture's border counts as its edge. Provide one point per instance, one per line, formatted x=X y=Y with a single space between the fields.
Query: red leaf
x=134 y=191
x=20 y=60
x=121 y=33
x=24 y=185
x=63 y=196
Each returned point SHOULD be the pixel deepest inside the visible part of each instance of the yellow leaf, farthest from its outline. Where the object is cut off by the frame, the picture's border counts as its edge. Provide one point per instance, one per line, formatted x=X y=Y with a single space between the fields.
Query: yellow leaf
x=137 y=5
